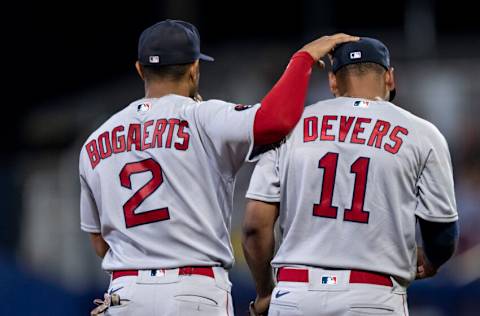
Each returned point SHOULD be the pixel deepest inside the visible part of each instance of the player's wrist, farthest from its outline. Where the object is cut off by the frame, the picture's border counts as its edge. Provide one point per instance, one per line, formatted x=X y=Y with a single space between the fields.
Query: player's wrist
x=265 y=290
x=261 y=304
x=305 y=56
x=429 y=266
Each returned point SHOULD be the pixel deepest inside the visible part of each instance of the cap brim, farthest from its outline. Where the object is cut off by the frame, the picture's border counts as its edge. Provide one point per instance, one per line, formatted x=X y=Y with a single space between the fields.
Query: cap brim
x=205 y=57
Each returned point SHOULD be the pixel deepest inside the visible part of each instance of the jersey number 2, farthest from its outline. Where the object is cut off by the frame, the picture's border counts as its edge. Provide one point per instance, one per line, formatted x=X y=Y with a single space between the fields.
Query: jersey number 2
x=132 y=219
x=325 y=208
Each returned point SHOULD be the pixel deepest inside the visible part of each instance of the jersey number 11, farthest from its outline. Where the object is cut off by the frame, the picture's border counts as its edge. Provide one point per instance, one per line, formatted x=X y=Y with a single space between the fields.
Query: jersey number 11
x=325 y=208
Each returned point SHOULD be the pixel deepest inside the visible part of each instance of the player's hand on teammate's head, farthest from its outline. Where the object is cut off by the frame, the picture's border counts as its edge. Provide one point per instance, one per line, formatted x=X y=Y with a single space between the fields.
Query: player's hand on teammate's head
x=325 y=44
x=424 y=268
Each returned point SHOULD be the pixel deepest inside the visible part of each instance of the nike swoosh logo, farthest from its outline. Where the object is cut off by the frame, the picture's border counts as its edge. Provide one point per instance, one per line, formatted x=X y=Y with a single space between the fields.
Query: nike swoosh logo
x=280 y=294
x=113 y=291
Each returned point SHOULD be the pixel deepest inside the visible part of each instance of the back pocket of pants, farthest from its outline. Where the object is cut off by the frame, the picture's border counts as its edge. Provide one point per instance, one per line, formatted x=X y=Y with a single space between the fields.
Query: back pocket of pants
x=283 y=310
x=371 y=309
x=285 y=302
x=197 y=305
x=196 y=299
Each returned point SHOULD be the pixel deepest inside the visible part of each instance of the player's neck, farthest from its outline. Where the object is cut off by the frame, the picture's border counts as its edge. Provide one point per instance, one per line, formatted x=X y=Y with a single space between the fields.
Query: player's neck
x=158 y=89
x=367 y=95
x=364 y=88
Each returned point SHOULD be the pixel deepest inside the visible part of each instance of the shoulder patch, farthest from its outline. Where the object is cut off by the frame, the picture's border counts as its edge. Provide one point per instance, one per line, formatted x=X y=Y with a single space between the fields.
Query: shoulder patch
x=241 y=107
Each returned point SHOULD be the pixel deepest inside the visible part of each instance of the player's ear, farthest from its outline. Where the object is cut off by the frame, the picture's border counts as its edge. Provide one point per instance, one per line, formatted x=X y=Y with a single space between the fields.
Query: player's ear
x=139 y=70
x=390 y=79
x=332 y=81
x=194 y=71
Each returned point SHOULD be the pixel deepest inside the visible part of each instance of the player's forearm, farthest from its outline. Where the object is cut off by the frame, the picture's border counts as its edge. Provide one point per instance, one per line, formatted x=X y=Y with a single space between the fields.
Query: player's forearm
x=439 y=241
x=99 y=245
x=258 y=248
x=282 y=107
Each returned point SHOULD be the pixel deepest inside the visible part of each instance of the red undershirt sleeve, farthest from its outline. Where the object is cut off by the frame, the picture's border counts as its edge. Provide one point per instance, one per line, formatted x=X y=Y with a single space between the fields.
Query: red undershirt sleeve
x=283 y=106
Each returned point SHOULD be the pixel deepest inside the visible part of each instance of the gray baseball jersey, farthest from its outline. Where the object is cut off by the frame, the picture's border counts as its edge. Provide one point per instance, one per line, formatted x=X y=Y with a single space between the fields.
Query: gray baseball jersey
x=350 y=180
x=157 y=181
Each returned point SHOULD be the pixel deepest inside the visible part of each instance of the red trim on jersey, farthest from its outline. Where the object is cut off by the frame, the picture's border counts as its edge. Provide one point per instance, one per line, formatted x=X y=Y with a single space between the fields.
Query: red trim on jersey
x=283 y=106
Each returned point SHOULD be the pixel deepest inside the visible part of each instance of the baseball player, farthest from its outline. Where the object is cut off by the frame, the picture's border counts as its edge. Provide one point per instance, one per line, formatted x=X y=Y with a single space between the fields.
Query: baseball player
x=347 y=187
x=157 y=178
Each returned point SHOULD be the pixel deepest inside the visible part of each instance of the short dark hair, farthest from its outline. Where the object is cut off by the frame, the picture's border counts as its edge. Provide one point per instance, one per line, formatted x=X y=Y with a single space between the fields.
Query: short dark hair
x=359 y=69
x=169 y=72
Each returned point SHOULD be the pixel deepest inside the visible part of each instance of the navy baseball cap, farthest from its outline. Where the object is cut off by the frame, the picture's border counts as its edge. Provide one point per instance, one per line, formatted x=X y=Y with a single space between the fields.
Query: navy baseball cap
x=170 y=42
x=366 y=50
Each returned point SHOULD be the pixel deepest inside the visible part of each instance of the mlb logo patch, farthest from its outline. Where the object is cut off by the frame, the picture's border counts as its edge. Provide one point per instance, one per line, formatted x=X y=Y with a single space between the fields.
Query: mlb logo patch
x=154 y=59
x=144 y=107
x=361 y=104
x=329 y=279
x=157 y=273
x=355 y=55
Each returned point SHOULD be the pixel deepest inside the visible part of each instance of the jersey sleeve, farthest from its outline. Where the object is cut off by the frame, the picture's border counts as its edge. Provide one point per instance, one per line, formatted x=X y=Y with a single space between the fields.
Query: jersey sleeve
x=265 y=182
x=89 y=217
x=435 y=187
x=227 y=129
